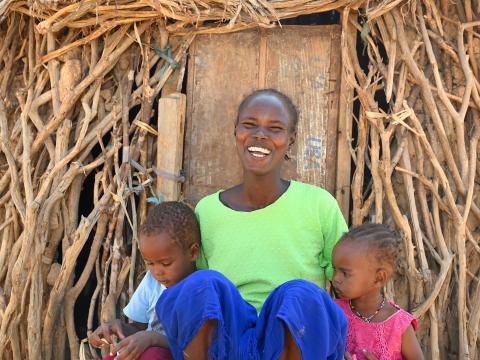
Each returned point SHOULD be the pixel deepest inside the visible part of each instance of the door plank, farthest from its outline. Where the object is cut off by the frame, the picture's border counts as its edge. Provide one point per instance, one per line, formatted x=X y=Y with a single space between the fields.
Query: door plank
x=222 y=70
x=171 y=124
x=302 y=64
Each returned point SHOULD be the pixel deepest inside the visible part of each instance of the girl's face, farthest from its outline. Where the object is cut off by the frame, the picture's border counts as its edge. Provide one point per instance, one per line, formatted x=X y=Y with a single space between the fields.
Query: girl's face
x=355 y=270
x=263 y=133
x=168 y=262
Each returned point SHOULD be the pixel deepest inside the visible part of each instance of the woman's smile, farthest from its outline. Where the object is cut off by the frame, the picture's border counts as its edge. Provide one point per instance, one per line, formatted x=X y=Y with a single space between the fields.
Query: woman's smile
x=259 y=152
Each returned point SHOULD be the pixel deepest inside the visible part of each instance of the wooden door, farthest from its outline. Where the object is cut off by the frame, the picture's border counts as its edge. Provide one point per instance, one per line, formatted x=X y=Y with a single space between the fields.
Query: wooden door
x=304 y=62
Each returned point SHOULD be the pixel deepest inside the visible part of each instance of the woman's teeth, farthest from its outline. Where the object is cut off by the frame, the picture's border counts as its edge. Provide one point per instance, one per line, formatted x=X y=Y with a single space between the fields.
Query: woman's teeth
x=258 y=152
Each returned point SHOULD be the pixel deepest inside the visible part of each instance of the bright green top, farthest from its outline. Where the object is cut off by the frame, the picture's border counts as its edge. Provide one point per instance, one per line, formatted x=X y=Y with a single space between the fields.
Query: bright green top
x=292 y=238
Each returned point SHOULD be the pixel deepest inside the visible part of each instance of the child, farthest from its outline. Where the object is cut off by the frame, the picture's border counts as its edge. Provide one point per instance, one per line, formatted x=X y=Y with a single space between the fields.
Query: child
x=169 y=242
x=364 y=260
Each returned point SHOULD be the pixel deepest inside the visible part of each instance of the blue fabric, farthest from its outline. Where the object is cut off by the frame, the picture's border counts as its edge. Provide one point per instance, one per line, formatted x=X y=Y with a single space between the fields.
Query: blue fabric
x=208 y=295
x=317 y=324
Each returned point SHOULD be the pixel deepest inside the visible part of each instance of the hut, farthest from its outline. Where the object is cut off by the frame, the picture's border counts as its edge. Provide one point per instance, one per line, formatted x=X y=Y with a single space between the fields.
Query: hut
x=106 y=106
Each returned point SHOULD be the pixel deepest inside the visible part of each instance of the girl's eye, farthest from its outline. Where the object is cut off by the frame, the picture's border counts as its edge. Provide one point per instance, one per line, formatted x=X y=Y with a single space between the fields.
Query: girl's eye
x=167 y=263
x=276 y=128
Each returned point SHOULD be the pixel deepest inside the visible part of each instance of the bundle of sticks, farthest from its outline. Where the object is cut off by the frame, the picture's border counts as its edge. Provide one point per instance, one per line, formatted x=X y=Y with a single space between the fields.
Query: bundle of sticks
x=78 y=83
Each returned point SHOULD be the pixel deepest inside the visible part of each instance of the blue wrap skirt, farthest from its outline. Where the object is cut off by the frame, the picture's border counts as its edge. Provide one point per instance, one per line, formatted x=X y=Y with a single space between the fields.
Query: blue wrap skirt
x=317 y=324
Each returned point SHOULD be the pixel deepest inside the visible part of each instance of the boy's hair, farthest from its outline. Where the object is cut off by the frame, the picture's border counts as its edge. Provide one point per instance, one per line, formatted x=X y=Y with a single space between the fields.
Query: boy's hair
x=379 y=239
x=177 y=219
x=286 y=101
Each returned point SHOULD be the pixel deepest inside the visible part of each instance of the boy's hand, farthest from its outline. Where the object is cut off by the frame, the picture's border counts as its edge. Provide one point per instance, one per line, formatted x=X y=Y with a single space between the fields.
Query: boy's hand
x=131 y=347
x=103 y=335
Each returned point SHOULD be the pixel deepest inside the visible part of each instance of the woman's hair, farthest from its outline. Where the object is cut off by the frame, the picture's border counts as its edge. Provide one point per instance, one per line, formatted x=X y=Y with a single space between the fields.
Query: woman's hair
x=177 y=219
x=380 y=240
x=286 y=101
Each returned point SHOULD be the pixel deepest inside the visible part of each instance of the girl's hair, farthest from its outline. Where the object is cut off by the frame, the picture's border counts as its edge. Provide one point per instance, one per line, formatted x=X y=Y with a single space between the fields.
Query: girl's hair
x=286 y=101
x=379 y=239
x=177 y=219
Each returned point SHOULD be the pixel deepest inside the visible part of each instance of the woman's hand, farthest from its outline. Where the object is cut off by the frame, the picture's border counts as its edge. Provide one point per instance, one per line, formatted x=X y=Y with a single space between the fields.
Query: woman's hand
x=103 y=335
x=130 y=348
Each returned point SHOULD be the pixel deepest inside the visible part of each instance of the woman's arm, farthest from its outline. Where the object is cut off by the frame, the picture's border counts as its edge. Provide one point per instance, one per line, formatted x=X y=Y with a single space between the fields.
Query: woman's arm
x=333 y=227
x=410 y=347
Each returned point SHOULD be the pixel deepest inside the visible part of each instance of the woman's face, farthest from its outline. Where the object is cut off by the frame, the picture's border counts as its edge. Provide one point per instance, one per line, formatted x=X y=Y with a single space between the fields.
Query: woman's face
x=263 y=133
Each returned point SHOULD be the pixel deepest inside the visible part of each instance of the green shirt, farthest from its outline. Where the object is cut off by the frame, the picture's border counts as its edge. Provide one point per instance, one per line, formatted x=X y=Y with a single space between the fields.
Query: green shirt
x=292 y=238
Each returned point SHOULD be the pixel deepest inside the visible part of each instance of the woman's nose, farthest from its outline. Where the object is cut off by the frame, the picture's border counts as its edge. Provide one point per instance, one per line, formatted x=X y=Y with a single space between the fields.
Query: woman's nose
x=260 y=133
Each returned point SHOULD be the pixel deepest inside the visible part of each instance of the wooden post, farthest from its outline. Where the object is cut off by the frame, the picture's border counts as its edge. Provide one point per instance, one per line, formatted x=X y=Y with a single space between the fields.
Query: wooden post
x=171 y=124
x=342 y=186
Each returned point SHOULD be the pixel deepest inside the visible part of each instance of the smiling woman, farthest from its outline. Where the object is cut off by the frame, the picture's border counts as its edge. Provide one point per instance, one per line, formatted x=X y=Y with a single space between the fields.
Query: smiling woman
x=271 y=240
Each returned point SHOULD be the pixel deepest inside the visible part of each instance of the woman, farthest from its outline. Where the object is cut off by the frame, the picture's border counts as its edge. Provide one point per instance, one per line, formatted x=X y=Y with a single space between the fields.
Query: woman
x=262 y=235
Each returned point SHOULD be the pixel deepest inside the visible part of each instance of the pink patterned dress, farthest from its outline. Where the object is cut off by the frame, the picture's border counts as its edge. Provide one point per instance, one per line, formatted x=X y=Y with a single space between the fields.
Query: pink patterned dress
x=382 y=339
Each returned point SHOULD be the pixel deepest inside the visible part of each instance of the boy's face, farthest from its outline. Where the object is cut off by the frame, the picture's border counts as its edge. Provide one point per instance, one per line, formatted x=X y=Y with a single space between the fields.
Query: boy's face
x=168 y=262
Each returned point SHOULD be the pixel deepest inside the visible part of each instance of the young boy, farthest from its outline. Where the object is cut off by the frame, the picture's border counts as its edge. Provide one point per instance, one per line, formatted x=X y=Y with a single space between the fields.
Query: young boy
x=169 y=242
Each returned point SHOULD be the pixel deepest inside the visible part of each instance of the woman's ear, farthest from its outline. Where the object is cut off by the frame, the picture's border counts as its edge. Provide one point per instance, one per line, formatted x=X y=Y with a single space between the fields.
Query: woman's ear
x=194 y=251
x=293 y=138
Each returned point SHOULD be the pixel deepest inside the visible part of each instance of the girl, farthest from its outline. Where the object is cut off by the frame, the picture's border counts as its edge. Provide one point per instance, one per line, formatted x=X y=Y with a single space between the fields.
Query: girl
x=169 y=242
x=364 y=260
x=263 y=235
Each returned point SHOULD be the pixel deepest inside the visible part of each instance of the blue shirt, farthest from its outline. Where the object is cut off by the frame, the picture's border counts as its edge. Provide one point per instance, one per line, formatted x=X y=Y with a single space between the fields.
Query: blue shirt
x=141 y=307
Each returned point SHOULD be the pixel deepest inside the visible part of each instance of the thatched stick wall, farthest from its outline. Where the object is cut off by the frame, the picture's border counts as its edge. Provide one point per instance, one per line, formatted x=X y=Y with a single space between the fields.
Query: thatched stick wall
x=73 y=74
x=423 y=158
